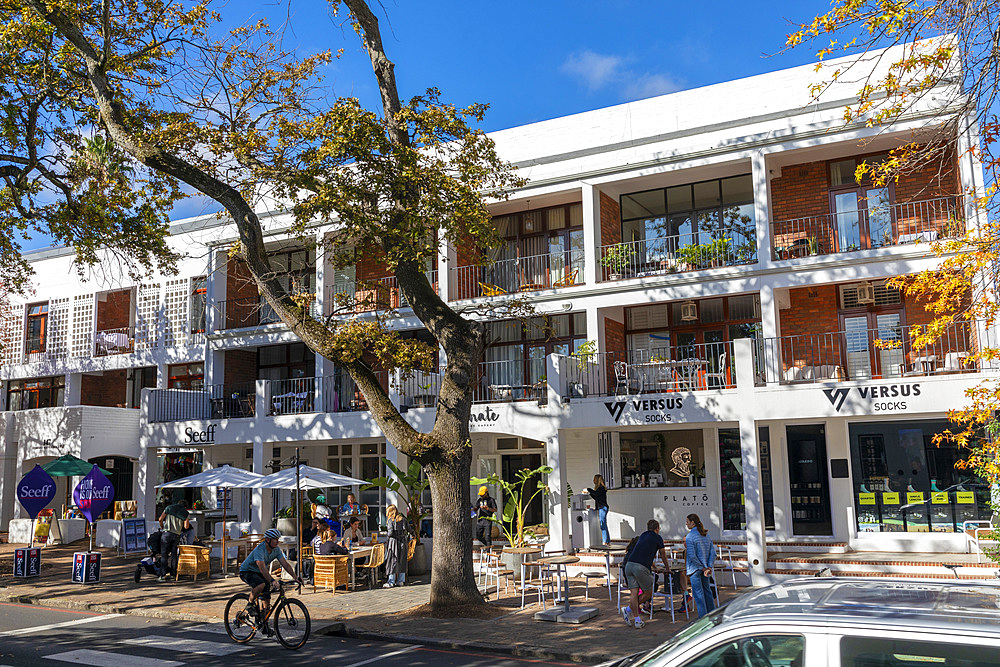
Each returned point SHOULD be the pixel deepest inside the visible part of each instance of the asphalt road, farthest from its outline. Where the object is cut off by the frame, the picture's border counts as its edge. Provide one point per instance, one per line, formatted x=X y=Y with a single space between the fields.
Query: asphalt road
x=30 y=635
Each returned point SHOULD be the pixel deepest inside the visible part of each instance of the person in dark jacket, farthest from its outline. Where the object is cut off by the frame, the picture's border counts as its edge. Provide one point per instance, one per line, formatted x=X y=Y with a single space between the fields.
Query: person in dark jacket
x=485 y=508
x=395 y=548
x=600 y=495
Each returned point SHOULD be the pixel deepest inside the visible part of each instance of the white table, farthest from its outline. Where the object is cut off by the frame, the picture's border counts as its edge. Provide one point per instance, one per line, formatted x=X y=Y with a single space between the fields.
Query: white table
x=921 y=237
x=662 y=372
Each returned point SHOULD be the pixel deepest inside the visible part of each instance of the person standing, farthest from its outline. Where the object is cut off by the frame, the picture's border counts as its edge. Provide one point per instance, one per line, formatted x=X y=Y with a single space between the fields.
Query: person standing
x=395 y=548
x=486 y=507
x=700 y=560
x=173 y=522
x=638 y=566
x=600 y=495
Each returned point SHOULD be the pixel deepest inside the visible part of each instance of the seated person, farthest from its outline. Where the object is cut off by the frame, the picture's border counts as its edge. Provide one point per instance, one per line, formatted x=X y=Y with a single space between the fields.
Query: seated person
x=353 y=533
x=323 y=543
x=312 y=531
x=322 y=511
x=351 y=506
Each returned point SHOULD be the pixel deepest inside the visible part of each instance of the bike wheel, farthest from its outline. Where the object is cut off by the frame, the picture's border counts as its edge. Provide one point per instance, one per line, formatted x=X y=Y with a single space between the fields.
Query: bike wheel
x=292 y=624
x=239 y=624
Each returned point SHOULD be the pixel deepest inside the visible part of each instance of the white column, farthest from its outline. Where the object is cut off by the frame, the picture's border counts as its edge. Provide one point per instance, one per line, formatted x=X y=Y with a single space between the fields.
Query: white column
x=558 y=514
x=595 y=328
x=761 y=208
x=770 y=324
x=591 y=198
x=146 y=471
x=8 y=473
x=447 y=257
x=73 y=392
x=753 y=498
x=258 y=495
x=215 y=290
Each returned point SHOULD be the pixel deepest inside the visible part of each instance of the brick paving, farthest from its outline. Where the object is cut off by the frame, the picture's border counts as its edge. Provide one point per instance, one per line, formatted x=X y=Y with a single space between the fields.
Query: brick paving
x=380 y=613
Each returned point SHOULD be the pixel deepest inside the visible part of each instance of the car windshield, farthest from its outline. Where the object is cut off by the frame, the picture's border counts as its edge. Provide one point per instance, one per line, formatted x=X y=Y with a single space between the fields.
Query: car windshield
x=695 y=628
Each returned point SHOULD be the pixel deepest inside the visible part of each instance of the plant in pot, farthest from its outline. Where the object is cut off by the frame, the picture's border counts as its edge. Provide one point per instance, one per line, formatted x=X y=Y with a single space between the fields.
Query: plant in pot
x=584 y=354
x=619 y=259
x=517 y=495
x=813 y=244
x=409 y=485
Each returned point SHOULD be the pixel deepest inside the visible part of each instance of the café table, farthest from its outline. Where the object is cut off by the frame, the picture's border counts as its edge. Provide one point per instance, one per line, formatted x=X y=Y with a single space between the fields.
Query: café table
x=682 y=373
x=526 y=552
x=609 y=550
x=241 y=544
x=357 y=552
x=560 y=563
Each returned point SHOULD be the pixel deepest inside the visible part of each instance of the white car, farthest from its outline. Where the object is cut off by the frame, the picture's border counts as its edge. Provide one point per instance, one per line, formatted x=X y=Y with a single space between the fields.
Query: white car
x=841 y=622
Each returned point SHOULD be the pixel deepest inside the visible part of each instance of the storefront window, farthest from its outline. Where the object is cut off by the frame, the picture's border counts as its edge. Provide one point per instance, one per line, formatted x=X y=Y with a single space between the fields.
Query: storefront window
x=663 y=458
x=903 y=482
x=731 y=476
x=38 y=393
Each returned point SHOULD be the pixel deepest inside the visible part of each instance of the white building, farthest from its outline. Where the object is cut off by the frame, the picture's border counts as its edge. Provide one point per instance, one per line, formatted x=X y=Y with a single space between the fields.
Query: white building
x=712 y=243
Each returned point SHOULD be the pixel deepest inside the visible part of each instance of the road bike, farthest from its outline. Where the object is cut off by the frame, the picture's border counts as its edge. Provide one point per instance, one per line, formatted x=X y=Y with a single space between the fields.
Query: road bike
x=291 y=619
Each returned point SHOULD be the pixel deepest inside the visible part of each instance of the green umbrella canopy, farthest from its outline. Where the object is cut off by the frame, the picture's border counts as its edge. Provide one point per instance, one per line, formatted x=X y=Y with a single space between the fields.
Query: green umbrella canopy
x=70 y=466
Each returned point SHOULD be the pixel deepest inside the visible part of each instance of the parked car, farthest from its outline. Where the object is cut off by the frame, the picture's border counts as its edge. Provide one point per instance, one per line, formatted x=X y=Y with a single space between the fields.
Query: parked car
x=841 y=622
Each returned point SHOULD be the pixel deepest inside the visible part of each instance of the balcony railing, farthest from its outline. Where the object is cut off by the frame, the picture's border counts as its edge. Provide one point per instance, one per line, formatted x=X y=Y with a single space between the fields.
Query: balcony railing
x=420 y=390
x=249 y=312
x=349 y=297
x=216 y=401
x=522 y=274
x=863 y=354
x=510 y=381
x=875 y=227
x=120 y=340
x=675 y=254
x=681 y=368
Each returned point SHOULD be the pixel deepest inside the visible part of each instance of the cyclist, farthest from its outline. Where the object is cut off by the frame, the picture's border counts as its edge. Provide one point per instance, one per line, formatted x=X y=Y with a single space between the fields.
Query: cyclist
x=256 y=571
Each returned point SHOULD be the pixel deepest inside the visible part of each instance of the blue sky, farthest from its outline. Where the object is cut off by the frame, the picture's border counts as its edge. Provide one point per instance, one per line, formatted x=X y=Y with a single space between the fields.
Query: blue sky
x=537 y=60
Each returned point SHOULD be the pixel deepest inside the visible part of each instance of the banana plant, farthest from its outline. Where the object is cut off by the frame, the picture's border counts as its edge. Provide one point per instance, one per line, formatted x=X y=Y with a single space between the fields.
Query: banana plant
x=516 y=500
x=409 y=485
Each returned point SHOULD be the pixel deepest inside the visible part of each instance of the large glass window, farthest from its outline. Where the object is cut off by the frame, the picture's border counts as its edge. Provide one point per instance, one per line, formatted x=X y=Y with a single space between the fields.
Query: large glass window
x=731 y=475
x=38 y=315
x=542 y=248
x=186 y=376
x=516 y=357
x=282 y=362
x=661 y=330
x=663 y=458
x=36 y=393
x=716 y=217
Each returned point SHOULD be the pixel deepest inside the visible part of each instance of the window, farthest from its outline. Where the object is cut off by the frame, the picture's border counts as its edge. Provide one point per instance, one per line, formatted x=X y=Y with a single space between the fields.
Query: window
x=137 y=380
x=517 y=355
x=872 y=651
x=864 y=324
x=660 y=330
x=541 y=248
x=296 y=271
x=186 y=376
x=283 y=362
x=774 y=650
x=38 y=315
x=199 y=293
x=862 y=212
x=37 y=393
x=666 y=458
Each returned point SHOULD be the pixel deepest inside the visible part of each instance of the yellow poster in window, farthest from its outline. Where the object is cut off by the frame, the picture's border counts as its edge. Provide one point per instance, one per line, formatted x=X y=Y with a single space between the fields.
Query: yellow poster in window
x=914 y=497
x=939 y=498
x=965 y=497
x=866 y=498
x=890 y=498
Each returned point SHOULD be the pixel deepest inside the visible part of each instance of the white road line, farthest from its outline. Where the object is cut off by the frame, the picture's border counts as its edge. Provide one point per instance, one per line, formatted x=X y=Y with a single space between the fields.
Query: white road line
x=383 y=656
x=52 y=626
x=186 y=645
x=213 y=628
x=101 y=658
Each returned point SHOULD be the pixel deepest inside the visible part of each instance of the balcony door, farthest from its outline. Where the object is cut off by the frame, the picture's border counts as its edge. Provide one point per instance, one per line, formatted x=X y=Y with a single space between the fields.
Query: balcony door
x=863 y=358
x=862 y=218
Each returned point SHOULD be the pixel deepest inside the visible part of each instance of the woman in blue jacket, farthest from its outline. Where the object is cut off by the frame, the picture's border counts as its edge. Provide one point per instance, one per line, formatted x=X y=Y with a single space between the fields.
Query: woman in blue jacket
x=700 y=559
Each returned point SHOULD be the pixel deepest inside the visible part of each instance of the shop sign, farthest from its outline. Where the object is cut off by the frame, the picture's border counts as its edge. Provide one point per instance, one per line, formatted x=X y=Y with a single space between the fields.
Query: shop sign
x=35 y=491
x=687 y=498
x=486 y=417
x=965 y=497
x=884 y=398
x=890 y=498
x=652 y=411
x=193 y=435
x=94 y=494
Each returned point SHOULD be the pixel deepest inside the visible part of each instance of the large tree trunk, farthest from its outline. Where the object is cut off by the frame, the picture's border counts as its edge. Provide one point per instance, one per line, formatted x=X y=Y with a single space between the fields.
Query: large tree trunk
x=453 y=581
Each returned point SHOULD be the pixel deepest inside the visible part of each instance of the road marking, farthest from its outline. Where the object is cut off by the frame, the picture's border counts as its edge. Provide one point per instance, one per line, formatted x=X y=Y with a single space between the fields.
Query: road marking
x=101 y=658
x=214 y=628
x=186 y=645
x=383 y=656
x=52 y=626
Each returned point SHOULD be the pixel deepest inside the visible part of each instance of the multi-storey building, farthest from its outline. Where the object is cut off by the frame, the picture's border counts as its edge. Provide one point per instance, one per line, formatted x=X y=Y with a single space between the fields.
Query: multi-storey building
x=714 y=334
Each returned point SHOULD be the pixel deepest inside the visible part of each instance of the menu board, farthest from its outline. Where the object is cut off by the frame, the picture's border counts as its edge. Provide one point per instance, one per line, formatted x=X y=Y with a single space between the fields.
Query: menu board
x=133 y=535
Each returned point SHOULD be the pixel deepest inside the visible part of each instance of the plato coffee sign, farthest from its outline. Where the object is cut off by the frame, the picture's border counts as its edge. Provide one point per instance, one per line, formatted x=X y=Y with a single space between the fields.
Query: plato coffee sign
x=94 y=494
x=35 y=491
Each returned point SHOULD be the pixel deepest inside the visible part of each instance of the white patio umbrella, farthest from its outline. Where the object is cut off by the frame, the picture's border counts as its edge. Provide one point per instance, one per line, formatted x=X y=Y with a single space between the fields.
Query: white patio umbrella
x=224 y=476
x=300 y=477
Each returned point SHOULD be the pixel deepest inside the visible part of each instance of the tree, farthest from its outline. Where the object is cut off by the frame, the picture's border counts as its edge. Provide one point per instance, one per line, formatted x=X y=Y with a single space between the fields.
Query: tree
x=943 y=42
x=238 y=118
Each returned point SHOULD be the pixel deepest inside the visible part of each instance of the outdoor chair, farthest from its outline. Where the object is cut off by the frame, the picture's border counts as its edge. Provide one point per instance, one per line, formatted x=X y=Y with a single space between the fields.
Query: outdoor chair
x=724 y=555
x=495 y=568
x=536 y=576
x=978 y=534
x=667 y=593
x=192 y=560
x=622 y=378
x=568 y=280
x=719 y=375
x=374 y=564
x=489 y=289
x=330 y=572
x=623 y=587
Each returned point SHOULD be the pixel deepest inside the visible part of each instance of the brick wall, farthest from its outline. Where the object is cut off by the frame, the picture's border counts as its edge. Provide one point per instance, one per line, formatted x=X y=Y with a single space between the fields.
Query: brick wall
x=813 y=311
x=108 y=390
x=935 y=179
x=611 y=221
x=240 y=367
x=115 y=312
x=614 y=345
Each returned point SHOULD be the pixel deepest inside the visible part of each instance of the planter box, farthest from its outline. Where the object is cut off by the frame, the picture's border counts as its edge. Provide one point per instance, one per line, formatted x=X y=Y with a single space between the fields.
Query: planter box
x=286 y=525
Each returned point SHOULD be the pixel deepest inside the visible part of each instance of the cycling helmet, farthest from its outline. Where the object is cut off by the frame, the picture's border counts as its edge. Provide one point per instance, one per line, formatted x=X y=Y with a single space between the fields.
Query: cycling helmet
x=272 y=534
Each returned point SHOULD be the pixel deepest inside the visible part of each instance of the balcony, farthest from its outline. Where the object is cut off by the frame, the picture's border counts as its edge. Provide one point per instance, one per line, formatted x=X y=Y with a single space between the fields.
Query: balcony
x=864 y=354
x=675 y=254
x=350 y=297
x=521 y=274
x=867 y=229
x=120 y=340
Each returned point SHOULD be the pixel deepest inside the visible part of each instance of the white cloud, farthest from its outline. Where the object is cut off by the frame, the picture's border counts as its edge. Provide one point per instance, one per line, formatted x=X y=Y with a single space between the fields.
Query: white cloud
x=598 y=71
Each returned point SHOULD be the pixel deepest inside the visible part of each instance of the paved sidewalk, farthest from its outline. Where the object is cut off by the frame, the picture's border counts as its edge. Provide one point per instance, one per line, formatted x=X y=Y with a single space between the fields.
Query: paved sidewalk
x=382 y=613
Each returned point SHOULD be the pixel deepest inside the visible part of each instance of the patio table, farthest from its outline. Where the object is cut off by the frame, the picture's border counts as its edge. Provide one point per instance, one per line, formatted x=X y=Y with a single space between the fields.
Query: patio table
x=609 y=551
x=560 y=563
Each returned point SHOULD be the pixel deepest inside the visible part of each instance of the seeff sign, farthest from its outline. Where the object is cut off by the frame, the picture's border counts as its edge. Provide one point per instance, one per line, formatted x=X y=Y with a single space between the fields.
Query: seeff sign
x=883 y=398
x=35 y=491
x=651 y=411
x=94 y=494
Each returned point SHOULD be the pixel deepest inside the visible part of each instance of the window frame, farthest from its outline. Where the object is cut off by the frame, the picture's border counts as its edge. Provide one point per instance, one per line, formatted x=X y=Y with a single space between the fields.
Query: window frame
x=31 y=317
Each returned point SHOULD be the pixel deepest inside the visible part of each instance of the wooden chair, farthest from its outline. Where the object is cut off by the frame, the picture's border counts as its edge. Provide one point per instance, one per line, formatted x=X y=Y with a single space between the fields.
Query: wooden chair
x=374 y=564
x=489 y=289
x=192 y=560
x=411 y=548
x=568 y=280
x=331 y=572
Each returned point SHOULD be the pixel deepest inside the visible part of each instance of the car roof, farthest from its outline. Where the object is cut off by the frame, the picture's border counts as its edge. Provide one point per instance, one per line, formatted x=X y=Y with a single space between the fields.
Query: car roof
x=945 y=606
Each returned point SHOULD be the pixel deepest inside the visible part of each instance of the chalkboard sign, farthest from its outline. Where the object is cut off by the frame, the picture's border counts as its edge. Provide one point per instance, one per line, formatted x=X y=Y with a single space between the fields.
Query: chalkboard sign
x=133 y=535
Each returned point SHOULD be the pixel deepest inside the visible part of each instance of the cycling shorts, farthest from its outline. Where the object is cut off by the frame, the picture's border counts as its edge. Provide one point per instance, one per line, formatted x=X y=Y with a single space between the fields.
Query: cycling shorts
x=255 y=579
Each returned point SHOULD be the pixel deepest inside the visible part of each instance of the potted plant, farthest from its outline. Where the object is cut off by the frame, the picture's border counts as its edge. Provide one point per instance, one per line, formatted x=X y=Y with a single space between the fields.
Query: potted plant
x=584 y=354
x=813 y=244
x=705 y=255
x=619 y=259
x=517 y=496
x=409 y=485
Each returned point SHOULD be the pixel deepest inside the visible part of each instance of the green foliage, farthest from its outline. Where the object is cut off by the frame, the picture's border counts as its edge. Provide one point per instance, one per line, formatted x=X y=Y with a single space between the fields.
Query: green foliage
x=701 y=256
x=410 y=485
x=618 y=258
x=585 y=353
x=517 y=496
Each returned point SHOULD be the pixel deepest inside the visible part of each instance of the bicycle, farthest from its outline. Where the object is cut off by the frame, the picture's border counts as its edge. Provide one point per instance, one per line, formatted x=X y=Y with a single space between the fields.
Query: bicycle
x=291 y=619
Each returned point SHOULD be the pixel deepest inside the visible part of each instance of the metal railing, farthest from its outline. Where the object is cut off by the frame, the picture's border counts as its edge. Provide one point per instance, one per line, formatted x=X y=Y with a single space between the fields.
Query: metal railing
x=120 y=340
x=292 y=396
x=249 y=312
x=675 y=254
x=865 y=229
x=521 y=274
x=420 y=390
x=215 y=401
x=683 y=368
x=349 y=297
x=861 y=354
x=510 y=381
